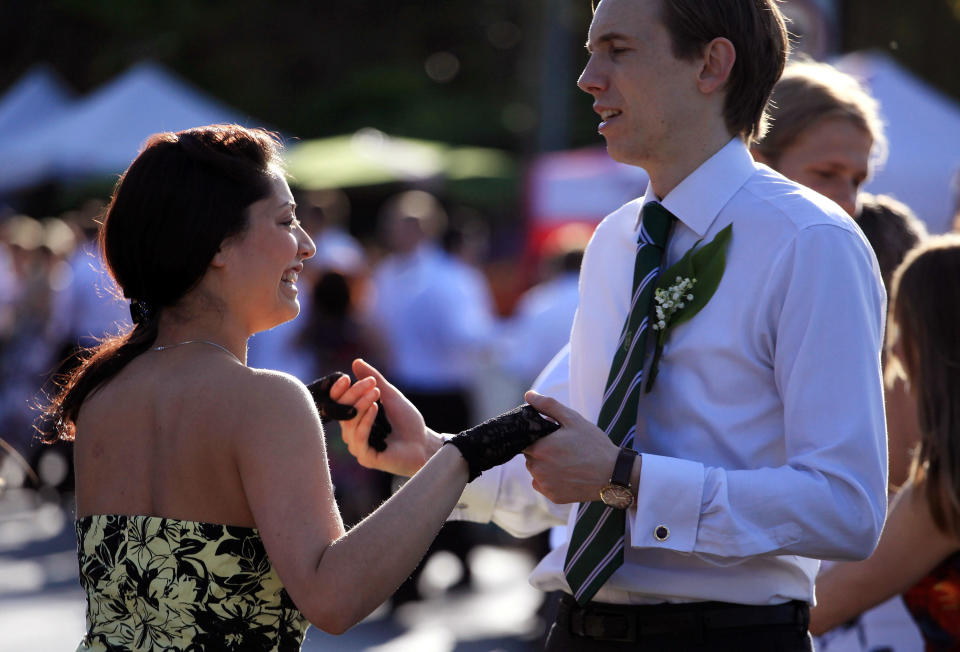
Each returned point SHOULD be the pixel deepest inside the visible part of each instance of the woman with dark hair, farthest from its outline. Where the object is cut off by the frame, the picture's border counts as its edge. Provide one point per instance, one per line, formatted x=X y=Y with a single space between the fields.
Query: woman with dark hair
x=919 y=551
x=205 y=513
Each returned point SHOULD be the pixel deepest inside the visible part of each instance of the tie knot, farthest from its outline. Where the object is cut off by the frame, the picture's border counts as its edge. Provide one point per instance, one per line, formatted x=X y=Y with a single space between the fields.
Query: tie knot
x=655 y=221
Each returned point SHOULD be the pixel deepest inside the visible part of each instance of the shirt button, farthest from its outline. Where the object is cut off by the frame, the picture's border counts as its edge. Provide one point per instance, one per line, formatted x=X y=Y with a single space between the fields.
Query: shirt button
x=661 y=533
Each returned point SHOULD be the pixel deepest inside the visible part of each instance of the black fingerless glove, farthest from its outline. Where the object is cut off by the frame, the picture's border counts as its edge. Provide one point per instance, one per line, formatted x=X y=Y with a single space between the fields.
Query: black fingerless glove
x=497 y=440
x=330 y=410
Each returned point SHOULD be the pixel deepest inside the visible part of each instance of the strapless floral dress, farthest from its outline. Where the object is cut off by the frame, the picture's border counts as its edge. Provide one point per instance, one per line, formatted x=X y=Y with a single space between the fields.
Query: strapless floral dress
x=164 y=584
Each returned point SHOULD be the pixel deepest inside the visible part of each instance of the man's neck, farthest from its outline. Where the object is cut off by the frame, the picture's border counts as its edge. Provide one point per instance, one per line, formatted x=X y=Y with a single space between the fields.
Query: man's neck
x=675 y=166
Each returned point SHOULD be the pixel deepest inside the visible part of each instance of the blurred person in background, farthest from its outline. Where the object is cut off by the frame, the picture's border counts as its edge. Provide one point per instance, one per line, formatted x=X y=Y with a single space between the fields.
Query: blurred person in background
x=893 y=230
x=205 y=510
x=326 y=216
x=333 y=335
x=433 y=312
x=34 y=327
x=93 y=305
x=826 y=133
x=540 y=324
x=434 y=317
x=919 y=552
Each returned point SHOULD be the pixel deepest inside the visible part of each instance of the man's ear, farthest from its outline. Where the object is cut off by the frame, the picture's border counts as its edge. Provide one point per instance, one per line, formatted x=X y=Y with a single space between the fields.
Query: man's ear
x=719 y=56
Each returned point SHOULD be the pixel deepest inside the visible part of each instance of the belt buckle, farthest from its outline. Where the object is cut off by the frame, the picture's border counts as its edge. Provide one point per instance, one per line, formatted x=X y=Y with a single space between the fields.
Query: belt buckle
x=596 y=626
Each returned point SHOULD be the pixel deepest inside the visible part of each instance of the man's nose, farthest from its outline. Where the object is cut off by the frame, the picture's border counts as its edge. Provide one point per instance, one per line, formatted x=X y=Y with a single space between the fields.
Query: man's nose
x=590 y=80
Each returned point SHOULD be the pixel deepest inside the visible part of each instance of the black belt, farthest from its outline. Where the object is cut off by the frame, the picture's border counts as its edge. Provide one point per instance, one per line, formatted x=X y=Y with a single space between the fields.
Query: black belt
x=631 y=623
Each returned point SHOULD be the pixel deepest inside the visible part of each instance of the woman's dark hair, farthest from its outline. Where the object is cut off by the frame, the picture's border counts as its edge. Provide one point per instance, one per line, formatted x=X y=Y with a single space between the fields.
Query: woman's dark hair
x=758 y=33
x=925 y=311
x=178 y=201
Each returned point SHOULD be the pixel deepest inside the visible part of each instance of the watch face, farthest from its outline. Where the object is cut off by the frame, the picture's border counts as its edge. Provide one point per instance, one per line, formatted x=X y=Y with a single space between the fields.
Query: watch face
x=616 y=496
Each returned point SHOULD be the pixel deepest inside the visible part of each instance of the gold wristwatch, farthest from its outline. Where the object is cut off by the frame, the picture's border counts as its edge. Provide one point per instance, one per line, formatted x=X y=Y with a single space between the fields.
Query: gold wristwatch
x=618 y=493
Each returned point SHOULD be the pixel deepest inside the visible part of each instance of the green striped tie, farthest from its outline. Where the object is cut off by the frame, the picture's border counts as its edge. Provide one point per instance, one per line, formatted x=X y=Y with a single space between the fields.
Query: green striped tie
x=596 y=545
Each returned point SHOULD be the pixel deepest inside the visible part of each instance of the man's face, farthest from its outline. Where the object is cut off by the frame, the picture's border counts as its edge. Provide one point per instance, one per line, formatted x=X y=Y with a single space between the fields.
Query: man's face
x=644 y=95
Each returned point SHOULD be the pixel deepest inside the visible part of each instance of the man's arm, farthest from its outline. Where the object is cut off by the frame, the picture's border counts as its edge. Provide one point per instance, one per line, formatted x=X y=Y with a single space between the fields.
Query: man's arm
x=505 y=495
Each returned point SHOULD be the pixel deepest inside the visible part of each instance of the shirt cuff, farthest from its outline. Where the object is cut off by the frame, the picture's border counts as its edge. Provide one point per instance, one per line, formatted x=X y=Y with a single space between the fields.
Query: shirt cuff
x=668 y=504
x=479 y=498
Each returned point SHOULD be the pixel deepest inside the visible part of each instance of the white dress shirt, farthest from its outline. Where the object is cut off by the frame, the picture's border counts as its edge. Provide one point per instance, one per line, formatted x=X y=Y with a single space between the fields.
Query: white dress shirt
x=764 y=446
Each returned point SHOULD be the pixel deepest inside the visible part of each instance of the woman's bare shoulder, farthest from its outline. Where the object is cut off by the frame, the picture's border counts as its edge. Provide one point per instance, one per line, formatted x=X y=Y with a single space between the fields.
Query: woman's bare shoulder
x=262 y=400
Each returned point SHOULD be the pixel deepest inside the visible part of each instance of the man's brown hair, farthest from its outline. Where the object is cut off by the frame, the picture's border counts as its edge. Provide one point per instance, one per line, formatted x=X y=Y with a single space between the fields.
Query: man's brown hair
x=758 y=33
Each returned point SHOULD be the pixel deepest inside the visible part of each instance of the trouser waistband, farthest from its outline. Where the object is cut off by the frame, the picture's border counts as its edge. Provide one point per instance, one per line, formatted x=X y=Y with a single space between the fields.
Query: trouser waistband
x=631 y=623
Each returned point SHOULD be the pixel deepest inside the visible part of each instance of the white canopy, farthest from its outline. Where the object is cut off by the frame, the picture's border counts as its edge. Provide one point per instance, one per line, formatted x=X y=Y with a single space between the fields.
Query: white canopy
x=102 y=133
x=923 y=128
x=38 y=97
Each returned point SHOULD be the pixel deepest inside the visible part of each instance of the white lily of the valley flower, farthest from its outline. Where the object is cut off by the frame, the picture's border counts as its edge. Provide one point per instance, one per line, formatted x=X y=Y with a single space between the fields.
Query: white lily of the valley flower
x=671 y=299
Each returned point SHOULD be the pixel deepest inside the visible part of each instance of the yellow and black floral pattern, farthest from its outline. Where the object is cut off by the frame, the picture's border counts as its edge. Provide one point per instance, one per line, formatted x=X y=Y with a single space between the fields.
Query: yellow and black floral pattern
x=163 y=584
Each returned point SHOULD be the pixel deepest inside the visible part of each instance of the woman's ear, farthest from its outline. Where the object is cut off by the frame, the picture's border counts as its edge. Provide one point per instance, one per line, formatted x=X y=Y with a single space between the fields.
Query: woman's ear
x=719 y=56
x=219 y=259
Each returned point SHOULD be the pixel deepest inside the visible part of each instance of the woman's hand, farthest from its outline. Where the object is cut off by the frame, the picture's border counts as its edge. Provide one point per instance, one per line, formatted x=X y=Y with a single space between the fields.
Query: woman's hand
x=410 y=443
x=328 y=408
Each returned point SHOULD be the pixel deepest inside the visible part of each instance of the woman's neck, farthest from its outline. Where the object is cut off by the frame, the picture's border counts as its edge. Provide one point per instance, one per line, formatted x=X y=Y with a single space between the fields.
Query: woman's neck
x=213 y=329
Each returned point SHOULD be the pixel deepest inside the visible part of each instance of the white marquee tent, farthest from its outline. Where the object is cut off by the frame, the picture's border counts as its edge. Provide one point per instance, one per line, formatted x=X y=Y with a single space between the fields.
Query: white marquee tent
x=923 y=128
x=102 y=133
x=37 y=98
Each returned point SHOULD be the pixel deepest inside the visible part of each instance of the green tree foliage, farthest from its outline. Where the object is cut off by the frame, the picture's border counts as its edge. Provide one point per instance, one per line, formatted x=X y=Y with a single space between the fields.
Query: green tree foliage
x=923 y=35
x=309 y=68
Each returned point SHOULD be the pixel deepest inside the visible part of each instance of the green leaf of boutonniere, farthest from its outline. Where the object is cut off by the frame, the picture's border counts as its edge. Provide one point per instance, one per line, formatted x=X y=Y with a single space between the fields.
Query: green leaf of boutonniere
x=704 y=268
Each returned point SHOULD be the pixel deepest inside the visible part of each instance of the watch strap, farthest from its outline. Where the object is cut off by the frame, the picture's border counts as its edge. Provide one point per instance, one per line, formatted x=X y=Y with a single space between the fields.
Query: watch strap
x=623 y=467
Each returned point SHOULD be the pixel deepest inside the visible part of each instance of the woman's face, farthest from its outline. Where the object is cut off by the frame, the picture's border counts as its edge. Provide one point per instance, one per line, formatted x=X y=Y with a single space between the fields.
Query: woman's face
x=831 y=156
x=263 y=264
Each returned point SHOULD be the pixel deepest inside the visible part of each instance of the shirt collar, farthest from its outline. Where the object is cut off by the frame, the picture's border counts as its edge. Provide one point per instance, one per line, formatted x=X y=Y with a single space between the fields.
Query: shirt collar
x=699 y=198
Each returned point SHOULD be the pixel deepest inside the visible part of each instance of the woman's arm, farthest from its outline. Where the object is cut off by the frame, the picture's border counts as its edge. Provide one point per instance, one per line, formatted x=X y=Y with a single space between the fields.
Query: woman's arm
x=335 y=578
x=910 y=547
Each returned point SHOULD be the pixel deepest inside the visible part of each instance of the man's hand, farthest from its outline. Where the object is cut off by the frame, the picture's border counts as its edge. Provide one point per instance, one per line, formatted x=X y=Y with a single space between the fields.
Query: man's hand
x=575 y=462
x=410 y=443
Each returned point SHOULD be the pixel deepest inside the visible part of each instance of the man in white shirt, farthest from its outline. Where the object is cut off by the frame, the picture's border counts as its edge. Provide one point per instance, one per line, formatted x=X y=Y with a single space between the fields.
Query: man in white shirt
x=762 y=443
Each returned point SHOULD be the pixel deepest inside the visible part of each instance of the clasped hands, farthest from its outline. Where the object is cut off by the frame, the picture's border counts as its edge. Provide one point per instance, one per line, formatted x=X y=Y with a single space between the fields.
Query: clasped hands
x=570 y=465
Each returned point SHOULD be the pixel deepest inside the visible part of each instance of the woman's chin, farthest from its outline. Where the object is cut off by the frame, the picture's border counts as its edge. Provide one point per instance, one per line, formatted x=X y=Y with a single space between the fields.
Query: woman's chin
x=288 y=312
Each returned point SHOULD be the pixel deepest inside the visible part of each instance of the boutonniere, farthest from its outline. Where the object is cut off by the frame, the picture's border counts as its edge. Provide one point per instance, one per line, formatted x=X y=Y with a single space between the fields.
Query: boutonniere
x=685 y=288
